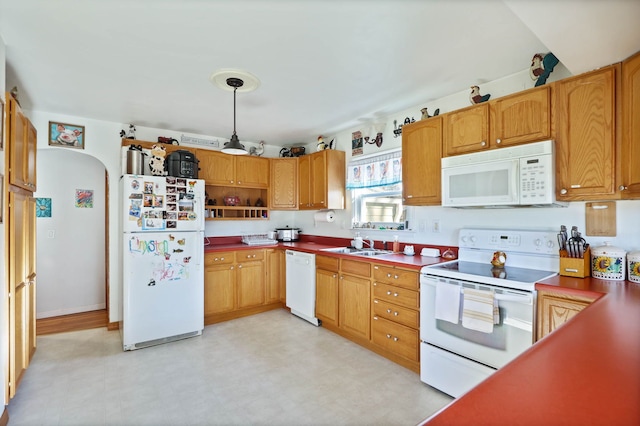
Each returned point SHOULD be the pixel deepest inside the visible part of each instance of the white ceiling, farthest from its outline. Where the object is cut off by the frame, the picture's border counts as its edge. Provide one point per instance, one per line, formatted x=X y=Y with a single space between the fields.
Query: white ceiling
x=324 y=65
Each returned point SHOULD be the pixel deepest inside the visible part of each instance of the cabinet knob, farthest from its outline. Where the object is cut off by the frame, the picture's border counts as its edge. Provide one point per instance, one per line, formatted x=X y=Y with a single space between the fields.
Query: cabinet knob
x=622 y=188
x=483 y=143
x=395 y=313
x=375 y=284
x=563 y=191
x=239 y=266
x=395 y=276
x=375 y=318
x=388 y=275
x=498 y=141
x=230 y=181
x=388 y=311
x=388 y=336
x=231 y=267
x=395 y=294
x=335 y=275
x=388 y=293
x=395 y=339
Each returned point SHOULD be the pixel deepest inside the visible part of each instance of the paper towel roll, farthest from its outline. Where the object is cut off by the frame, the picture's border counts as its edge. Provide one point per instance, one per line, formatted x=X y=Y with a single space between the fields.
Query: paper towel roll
x=325 y=216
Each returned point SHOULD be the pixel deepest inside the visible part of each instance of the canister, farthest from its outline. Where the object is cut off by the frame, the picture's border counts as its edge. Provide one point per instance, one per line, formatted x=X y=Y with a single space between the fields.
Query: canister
x=633 y=266
x=608 y=262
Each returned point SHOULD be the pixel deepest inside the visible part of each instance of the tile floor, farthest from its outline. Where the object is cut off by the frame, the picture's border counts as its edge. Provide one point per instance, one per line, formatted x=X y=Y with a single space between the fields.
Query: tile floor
x=267 y=369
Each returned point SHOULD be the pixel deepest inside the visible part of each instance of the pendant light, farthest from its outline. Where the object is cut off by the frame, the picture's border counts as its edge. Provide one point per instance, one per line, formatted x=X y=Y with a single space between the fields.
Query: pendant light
x=234 y=147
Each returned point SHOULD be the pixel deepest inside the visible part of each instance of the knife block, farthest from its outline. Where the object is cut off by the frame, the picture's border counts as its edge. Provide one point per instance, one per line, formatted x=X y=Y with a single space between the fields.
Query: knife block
x=575 y=266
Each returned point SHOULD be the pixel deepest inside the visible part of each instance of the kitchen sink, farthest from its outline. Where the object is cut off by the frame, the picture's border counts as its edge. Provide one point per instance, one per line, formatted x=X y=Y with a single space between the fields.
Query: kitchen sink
x=358 y=252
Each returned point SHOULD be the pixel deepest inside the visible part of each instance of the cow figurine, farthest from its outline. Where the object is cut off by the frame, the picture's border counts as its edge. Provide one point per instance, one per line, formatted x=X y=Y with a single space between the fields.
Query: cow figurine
x=156 y=163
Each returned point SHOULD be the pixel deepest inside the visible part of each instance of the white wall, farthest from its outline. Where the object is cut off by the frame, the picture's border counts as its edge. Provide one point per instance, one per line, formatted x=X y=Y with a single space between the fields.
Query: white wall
x=70 y=243
x=451 y=220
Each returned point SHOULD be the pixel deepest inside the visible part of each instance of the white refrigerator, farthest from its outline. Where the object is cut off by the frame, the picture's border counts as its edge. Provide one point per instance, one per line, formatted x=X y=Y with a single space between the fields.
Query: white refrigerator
x=162 y=259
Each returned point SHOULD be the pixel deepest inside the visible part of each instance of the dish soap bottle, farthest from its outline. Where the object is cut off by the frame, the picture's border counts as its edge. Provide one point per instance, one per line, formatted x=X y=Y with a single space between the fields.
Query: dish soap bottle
x=396 y=244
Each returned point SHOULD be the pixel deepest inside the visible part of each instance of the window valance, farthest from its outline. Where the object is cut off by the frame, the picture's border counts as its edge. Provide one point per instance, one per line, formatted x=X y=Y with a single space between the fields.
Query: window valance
x=376 y=170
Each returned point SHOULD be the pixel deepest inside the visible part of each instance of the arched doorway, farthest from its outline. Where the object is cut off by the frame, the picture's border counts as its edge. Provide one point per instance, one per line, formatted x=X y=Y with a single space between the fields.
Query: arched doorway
x=71 y=242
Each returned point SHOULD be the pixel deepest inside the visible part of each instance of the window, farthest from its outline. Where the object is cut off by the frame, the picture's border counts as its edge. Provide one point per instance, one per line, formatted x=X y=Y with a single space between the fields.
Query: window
x=380 y=206
x=376 y=188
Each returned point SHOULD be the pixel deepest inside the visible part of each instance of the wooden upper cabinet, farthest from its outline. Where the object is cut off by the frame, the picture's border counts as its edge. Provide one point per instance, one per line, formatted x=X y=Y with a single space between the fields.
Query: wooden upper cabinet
x=284 y=183
x=586 y=136
x=511 y=120
x=216 y=168
x=221 y=169
x=22 y=145
x=252 y=171
x=321 y=180
x=521 y=118
x=630 y=184
x=421 y=154
x=467 y=130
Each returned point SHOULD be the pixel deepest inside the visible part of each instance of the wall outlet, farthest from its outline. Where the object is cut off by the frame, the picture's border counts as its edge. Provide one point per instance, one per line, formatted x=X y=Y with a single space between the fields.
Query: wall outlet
x=435 y=226
x=422 y=226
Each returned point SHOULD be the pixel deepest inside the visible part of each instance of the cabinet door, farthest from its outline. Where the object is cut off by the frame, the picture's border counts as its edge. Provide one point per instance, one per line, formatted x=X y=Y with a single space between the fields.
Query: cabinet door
x=421 y=154
x=304 y=187
x=216 y=168
x=250 y=283
x=318 y=177
x=19 y=225
x=30 y=156
x=586 y=144
x=555 y=310
x=335 y=178
x=219 y=285
x=252 y=172
x=284 y=184
x=466 y=130
x=327 y=296
x=17 y=144
x=631 y=128
x=275 y=275
x=30 y=268
x=523 y=117
x=354 y=305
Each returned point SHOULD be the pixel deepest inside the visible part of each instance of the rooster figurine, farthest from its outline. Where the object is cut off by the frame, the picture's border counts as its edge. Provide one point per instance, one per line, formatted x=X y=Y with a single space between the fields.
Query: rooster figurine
x=425 y=113
x=541 y=67
x=259 y=150
x=475 y=97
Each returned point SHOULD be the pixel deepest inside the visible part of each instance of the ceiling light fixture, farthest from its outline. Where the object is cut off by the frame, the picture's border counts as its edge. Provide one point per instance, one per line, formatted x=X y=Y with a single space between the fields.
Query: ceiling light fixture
x=234 y=147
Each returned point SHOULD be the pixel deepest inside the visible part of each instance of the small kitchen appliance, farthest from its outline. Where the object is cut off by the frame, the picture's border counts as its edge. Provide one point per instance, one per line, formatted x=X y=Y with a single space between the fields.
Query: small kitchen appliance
x=288 y=234
x=182 y=163
x=476 y=317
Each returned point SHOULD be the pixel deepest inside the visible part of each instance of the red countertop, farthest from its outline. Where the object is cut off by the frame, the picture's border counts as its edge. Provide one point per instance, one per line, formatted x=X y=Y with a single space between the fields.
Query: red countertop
x=587 y=372
x=316 y=244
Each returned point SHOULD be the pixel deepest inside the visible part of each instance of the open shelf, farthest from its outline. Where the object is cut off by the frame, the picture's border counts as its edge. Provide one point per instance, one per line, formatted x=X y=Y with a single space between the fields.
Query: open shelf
x=246 y=210
x=235 y=212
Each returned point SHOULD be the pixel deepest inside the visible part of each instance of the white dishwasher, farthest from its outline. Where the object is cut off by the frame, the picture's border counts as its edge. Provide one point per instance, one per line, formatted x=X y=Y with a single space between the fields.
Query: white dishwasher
x=301 y=285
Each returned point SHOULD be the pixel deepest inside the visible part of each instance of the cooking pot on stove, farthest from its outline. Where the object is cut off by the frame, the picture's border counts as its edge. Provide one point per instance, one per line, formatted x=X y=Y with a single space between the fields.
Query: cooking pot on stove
x=288 y=234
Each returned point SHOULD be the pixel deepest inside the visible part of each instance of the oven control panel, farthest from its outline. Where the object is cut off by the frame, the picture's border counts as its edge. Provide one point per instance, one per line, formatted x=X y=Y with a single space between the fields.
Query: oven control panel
x=524 y=241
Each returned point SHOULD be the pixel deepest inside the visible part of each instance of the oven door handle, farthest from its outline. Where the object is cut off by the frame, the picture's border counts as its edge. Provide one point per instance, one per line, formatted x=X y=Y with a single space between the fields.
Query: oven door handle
x=526 y=299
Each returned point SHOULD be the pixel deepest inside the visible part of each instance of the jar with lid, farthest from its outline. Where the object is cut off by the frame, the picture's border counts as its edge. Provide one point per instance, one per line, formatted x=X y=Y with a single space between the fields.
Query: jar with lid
x=633 y=266
x=608 y=262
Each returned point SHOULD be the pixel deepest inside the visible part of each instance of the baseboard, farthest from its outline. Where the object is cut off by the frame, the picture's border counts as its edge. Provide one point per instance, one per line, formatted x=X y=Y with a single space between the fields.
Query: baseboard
x=70 y=311
x=4 y=419
x=112 y=326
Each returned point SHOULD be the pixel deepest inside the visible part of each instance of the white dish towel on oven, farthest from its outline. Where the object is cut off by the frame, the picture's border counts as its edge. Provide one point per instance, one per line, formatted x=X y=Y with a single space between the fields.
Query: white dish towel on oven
x=477 y=310
x=448 y=302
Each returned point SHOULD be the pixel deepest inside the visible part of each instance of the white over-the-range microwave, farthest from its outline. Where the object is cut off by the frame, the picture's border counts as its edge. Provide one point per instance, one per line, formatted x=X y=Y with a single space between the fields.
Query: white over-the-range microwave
x=518 y=176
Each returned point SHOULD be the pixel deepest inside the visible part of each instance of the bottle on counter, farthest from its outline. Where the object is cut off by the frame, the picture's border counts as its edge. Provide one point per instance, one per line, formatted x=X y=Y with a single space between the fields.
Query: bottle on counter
x=396 y=244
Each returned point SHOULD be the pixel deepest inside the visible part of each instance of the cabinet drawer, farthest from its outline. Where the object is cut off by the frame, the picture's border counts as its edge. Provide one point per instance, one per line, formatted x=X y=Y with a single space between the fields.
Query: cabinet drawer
x=396 y=295
x=327 y=263
x=249 y=255
x=362 y=269
x=219 y=258
x=396 y=313
x=395 y=276
x=397 y=338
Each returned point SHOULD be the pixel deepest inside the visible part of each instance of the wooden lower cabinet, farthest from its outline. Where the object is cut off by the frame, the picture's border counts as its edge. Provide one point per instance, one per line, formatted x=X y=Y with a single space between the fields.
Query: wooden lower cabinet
x=327 y=283
x=354 y=305
x=276 y=276
x=395 y=314
x=556 y=308
x=236 y=285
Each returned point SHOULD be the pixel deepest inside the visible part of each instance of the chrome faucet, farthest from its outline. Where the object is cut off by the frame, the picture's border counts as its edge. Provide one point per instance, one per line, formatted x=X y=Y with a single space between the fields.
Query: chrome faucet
x=369 y=242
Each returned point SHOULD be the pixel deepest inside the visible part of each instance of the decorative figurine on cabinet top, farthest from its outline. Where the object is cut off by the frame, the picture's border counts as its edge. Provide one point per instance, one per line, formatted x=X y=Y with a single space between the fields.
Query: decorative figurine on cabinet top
x=541 y=67
x=156 y=163
x=131 y=134
x=425 y=113
x=475 y=97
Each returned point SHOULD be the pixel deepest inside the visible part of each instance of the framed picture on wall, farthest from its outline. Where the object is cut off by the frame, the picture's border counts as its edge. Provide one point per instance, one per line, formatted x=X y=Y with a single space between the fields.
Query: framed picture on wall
x=67 y=135
x=1 y=124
